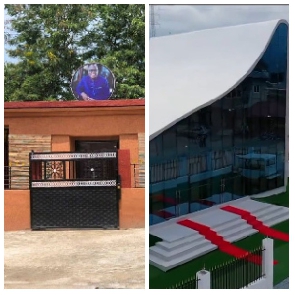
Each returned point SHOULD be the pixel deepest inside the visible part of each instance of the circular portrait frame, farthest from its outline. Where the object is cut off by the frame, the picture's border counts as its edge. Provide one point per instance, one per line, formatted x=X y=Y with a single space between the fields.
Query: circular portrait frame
x=93 y=81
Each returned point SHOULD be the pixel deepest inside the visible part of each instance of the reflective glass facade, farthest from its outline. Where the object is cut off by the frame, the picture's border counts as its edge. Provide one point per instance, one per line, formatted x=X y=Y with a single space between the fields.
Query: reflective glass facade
x=227 y=150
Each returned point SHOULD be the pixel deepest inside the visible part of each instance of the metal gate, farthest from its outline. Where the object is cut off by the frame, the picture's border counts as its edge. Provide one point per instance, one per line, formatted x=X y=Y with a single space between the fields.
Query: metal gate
x=74 y=190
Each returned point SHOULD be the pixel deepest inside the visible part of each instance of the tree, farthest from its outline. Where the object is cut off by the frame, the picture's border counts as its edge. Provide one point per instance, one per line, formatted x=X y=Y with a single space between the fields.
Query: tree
x=52 y=41
x=121 y=50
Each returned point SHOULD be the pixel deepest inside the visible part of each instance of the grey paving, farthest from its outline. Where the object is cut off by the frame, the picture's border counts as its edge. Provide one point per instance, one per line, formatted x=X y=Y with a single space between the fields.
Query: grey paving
x=283 y=285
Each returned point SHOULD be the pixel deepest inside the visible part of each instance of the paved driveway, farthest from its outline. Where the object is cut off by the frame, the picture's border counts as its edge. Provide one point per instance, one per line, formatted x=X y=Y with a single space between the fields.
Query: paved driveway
x=79 y=259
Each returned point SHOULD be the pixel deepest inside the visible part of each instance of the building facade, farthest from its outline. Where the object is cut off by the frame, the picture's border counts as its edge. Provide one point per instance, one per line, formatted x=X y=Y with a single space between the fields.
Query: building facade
x=232 y=147
x=115 y=126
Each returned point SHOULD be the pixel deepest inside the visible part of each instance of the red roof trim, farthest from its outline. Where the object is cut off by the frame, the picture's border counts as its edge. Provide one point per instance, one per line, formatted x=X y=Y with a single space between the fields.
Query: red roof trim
x=73 y=104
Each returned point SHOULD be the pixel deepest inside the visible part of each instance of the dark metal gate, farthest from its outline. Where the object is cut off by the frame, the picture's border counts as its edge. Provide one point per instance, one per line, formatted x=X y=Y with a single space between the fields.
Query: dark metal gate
x=74 y=190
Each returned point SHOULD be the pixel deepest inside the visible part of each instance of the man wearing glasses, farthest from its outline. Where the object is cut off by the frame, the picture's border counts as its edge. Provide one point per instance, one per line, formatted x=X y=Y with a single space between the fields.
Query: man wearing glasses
x=93 y=86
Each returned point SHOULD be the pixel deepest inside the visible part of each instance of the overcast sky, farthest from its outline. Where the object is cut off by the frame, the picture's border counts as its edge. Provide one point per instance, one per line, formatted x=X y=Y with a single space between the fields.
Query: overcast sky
x=175 y=19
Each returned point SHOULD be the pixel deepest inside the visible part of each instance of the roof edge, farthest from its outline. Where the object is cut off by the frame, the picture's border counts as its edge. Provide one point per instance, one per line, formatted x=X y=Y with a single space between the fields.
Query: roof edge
x=74 y=104
x=220 y=28
x=279 y=21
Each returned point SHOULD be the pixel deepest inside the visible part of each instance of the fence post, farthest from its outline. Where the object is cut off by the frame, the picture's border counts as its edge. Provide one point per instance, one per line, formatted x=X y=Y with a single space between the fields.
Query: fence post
x=204 y=279
x=267 y=261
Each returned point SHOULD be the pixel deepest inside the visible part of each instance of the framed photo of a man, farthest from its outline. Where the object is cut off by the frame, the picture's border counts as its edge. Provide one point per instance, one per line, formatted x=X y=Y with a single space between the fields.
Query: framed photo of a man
x=93 y=81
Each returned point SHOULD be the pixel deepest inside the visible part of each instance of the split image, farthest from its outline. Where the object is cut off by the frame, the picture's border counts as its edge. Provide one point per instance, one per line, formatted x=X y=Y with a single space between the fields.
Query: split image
x=219 y=153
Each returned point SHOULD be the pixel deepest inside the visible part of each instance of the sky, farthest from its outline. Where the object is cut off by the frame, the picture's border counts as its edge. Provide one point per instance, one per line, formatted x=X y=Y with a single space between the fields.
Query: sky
x=175 y=19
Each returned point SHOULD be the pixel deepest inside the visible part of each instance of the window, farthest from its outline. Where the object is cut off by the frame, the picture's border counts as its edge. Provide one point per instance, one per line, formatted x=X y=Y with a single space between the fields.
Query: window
x=156 y=173
x=164 y=171
x=171 y=169
x=197 y=165
x=256 y=89
x=221 y=159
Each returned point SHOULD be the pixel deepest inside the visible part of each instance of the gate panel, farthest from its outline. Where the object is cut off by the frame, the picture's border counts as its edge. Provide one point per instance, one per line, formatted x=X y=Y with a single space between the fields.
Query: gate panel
x=74 y=207
x=61 y=199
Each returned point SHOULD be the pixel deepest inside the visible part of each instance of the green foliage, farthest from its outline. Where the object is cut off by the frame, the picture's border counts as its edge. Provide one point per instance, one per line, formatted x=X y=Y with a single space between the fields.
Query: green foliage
x=53 y=40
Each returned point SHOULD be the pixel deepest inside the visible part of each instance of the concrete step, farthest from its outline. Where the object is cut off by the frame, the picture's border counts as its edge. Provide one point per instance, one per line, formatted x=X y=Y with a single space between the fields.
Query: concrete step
x=228 y=225
x=167 y=265
x=180 y=251
x=235 y=231
x=170 y=246
x=275 y=218
x=266 y=211
x=252 y=206
x=241 y=235
x=273 y=222
x=275 y=214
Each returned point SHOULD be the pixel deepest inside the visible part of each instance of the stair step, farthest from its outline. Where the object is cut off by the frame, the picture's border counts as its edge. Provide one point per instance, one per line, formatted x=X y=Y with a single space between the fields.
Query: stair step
x=242 y=235
x=228 y=225
x=273 y=220
x=274 y=215
x=182 y=250
x=262 y=214
x=167 y=265
x=226 y=234
x=171 y=245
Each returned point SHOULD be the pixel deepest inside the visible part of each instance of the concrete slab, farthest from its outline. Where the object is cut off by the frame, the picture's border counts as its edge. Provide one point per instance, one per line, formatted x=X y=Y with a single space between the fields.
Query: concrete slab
x=172 y=232
x=220 y=217
x=80 y=259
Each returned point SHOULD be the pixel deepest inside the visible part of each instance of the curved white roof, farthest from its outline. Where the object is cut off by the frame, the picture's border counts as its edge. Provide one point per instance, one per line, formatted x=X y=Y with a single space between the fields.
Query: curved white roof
x=189 y=71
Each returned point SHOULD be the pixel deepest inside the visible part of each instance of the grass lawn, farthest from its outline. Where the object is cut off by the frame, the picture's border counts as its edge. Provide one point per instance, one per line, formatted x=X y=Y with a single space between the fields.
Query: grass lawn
x=280 y=199
x=161 y=280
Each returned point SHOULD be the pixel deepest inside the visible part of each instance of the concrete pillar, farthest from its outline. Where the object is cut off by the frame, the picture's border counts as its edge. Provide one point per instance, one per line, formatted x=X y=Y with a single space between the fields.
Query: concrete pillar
x=204 y=279
x=267 y=262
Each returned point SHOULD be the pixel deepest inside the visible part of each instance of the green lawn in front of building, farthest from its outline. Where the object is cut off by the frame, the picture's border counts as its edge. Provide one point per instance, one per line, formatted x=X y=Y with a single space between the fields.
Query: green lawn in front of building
x=281 y=199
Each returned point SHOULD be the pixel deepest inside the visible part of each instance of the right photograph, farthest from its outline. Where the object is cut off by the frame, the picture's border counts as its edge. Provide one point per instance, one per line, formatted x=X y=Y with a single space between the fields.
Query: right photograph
x=219 y=147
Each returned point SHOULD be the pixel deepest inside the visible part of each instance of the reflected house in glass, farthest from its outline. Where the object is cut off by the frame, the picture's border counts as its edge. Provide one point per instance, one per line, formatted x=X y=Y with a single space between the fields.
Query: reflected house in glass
x=218 y=117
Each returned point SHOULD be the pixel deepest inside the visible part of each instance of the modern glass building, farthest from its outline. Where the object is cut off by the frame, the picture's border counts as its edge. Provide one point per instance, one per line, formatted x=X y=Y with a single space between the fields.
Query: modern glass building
x=218 y=117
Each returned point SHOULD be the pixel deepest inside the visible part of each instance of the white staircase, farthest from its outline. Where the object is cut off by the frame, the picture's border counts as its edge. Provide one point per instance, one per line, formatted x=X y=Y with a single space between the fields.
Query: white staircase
x=181 y=244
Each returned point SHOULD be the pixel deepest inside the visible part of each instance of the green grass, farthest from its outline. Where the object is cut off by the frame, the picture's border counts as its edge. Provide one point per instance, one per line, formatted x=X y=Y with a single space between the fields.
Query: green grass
x=162 y=280
x=153 y=240
x=279 y=199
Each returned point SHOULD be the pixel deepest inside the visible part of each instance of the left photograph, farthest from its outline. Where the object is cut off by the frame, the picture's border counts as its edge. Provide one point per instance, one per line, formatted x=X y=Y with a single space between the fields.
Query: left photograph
x=74 y=146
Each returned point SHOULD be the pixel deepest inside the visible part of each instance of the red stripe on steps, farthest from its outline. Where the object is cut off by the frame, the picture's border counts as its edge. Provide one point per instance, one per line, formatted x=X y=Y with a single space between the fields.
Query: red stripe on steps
x=257 y=224
x=219 y=241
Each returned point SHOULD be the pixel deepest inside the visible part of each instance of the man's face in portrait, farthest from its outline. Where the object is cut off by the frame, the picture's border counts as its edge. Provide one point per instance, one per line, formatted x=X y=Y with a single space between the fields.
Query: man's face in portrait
x=92 y=71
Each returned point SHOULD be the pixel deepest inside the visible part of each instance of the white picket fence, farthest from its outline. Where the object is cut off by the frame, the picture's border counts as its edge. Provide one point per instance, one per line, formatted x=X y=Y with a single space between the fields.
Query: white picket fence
x=203 y=277
x=234 y=274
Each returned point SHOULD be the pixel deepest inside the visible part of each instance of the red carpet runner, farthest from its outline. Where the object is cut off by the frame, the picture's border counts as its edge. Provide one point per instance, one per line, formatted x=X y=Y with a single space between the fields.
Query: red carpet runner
x=257 y=224
x=219 y=241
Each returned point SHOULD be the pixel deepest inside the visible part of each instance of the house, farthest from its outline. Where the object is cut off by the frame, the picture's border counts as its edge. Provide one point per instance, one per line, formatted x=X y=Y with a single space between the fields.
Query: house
x=74 y=164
